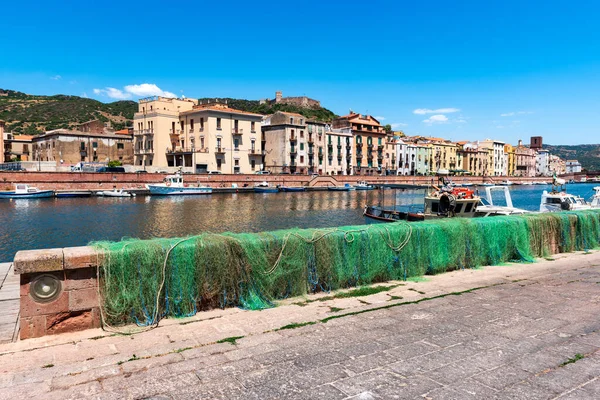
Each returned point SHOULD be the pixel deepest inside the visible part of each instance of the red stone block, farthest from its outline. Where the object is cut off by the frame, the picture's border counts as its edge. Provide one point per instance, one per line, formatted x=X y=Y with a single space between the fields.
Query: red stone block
x=83 y=299
x=83 y=278
x=81 y=257
x=30 y=308
x=32 y=327
x=30 y=261
x=69 y=322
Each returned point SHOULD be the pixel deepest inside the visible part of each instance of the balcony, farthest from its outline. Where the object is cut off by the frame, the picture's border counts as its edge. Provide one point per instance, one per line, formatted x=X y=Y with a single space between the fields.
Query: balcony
x=311 y=152
x=370 y=146
x=179 y=150
x=144 y=132
x=339 y=146
x=139 y=152
x=293 y=138
x=293 y=151
x=339 y=156
x=219 y=150
x=310 y=139
x=380 y=147
x=237 y=131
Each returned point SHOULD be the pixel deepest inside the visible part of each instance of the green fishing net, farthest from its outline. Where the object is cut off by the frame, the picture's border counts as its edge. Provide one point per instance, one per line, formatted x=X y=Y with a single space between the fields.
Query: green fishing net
x=142 y=281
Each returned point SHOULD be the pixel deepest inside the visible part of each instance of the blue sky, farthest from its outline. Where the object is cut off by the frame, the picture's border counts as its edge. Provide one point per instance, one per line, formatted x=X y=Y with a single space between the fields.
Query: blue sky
x=463 y=70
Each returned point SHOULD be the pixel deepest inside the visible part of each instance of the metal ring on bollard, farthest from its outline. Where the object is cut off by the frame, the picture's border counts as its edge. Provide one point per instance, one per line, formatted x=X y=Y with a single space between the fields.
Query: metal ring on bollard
x=45 y=288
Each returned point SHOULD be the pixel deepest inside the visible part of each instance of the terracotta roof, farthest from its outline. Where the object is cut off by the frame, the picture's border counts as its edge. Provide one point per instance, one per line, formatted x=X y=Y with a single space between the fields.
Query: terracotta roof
x=22 y=137
x=123 y=132
x=68 y=132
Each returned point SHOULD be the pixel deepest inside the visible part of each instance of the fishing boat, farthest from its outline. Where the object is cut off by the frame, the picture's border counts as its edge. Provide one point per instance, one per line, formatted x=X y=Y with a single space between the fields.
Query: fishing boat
x=265 y=187
x=116 y=193
x=362 y=185
x=173 y=185
x=487 y=207
x=23 y=191
x=346 y=188
x=443 y=202
x=559 y=200
x=77 y=193
x=292 y=188
x=506 y=183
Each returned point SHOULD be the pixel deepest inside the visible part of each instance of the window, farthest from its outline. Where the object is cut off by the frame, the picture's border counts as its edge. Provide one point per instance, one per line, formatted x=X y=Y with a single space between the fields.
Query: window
x=95 y=145
x=291 y=121
x=219 y=123
x=201 y=124
x=219 y=143
x=358 y=140
x=82 y=146
x=301 y=121
x=236 y=144
x=253 y=144
x=191 y=124
x=202 y=142
x=219 y=163
x=253 y=164
x=301 y=146
x=236 y=163
x=120 y=146
x=301 y=159
x=252 y=126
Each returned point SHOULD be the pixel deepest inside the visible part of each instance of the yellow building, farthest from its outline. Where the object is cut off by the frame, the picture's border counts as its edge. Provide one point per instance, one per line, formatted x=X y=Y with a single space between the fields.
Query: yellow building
x=181 y=133
x=511 y=159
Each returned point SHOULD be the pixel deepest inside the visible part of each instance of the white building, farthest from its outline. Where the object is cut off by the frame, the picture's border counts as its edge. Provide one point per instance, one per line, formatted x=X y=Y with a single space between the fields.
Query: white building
x=573 y=167
x=542 y=163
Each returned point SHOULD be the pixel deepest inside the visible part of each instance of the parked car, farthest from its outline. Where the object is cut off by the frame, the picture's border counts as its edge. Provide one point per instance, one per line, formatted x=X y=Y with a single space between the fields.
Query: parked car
x=263 y=172
x=141 y=171
x=214 y=172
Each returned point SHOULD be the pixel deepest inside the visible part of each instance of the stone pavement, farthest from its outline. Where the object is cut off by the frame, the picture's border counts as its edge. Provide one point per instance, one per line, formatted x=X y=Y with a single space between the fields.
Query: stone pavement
x=519 y=331
x=9 y=303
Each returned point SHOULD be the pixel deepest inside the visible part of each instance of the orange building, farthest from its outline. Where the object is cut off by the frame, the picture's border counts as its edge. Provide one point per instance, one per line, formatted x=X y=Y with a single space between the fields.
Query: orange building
x=369 y=142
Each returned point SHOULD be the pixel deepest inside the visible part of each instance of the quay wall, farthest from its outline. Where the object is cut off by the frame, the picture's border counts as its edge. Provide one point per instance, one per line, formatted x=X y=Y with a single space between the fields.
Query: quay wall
x=253 y=270
x=88 y=180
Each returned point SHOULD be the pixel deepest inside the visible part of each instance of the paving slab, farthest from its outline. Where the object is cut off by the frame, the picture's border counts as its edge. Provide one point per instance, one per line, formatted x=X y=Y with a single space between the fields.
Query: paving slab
x=521 y=331
x=9 y=303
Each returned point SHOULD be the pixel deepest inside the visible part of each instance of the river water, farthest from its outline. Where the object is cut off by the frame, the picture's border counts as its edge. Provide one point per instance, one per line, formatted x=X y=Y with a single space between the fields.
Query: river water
x=47 y=223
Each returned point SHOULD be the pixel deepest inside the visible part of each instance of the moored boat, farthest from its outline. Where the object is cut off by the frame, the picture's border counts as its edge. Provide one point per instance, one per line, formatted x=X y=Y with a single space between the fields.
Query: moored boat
x=292 y=188
x=380 y=214
x=77 y=193
x=265 y=187
x=363 y=185
x=173 y=185
x=487 y=207
x=116 y=193
x=595 y=202
x=23 y=191
x=346 y=188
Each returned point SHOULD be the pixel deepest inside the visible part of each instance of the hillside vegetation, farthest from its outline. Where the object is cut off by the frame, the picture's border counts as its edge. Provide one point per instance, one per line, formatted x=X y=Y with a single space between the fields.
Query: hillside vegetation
x=32 y=114
x=317 y=113
x=587 y=154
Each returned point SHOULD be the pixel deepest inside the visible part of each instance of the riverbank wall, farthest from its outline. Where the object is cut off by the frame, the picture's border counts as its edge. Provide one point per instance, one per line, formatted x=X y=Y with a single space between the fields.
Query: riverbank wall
x=97 y=181
x=142 y=281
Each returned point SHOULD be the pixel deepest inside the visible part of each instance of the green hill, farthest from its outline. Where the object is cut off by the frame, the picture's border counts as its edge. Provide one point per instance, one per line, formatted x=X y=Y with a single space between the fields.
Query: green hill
x=587 y=154
x=31 y=114
x=317 y=113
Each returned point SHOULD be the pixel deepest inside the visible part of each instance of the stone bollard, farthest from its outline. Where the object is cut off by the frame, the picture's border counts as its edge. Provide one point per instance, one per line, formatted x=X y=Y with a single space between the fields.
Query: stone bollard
x=59 y=290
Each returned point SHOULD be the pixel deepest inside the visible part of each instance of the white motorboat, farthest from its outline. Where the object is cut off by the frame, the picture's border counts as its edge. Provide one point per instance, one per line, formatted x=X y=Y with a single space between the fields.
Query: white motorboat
x=363 y=185
x=488 y=208
x=116 y=193
x=506 y=183
x=562 y=201
x=173 y=185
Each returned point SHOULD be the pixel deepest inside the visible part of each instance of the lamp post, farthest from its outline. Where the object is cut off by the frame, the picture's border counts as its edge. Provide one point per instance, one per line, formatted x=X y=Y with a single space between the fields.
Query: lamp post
x=193 y=155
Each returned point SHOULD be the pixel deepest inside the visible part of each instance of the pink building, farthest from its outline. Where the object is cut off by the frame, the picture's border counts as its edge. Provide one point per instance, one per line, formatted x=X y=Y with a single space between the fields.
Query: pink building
x=524 y=160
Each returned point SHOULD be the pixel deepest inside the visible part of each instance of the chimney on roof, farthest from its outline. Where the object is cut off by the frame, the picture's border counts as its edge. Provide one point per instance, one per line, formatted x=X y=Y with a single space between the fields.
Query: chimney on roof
x=520 y=142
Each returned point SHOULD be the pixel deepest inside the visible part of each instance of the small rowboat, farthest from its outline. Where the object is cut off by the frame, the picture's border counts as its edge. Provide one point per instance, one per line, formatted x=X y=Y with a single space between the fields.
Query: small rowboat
x=115 y=193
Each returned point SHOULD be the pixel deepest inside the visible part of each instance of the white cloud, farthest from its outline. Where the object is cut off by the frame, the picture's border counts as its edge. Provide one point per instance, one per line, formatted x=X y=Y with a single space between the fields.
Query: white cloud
x=436 y=119
x=397 y=125
x=379 y=118
x=56 y=77
x=147 y=89
x=461 y=121
x=423 y=111
x=513 y=113
x=112 y=93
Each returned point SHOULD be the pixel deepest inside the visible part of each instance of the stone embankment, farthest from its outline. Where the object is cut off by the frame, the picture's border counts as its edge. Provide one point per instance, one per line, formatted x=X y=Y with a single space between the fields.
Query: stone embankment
x=84 y=180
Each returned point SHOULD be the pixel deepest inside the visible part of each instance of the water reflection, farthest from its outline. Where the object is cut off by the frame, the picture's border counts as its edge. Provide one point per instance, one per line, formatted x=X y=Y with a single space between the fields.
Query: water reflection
x=43 y=223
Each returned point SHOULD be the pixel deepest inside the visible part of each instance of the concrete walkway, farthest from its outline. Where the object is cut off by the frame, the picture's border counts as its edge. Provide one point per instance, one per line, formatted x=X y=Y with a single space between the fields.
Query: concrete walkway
x=9 y=303
x=520 y=331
